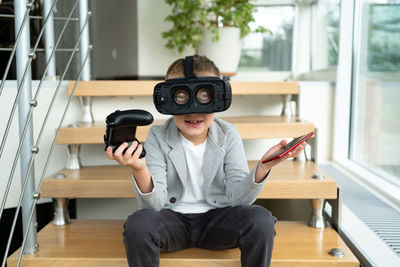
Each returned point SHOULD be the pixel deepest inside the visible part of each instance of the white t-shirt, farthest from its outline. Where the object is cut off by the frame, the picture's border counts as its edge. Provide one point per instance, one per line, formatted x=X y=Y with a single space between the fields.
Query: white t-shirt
x=193 y=200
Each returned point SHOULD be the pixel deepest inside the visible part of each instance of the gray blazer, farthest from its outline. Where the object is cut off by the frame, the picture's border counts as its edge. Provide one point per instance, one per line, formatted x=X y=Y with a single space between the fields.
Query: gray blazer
x=227 y=178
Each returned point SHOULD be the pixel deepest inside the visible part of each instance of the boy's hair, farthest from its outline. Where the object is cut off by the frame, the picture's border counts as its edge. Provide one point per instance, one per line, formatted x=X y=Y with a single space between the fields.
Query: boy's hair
x=201 y=64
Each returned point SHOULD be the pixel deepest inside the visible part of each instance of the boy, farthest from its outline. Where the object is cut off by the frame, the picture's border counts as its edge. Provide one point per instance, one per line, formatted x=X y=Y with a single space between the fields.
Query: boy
x=194 y=187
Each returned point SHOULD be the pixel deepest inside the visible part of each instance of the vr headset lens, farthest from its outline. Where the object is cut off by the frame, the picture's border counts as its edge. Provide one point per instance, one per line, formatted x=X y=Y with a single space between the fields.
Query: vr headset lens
x=204 y=95
x=181 y=96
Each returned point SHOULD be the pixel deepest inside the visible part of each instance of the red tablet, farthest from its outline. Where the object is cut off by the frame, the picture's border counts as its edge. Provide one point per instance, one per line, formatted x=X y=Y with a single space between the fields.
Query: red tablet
x=289 y=147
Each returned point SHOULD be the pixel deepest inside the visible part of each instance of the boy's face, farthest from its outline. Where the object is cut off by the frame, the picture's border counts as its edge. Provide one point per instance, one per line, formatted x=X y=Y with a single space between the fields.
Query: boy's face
x=194 y=127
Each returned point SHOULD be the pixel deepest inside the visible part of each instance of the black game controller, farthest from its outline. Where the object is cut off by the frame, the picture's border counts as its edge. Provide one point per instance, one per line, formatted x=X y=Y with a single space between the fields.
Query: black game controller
x=121 y=127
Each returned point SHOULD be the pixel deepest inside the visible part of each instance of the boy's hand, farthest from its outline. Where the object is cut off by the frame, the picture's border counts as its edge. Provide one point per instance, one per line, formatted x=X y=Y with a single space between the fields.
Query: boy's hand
x=128 y=159
x=263 y=168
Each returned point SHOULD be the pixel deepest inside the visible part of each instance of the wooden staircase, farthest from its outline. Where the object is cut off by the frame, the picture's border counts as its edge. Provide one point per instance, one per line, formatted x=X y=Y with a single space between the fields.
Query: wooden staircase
x=289 y=180
x=93 y=243
x=99 y=242
x=250 y=127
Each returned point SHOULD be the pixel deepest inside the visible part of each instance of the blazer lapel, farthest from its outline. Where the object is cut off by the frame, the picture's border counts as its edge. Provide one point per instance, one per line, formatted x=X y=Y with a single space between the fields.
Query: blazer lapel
x=214 y=154
x=177 y=154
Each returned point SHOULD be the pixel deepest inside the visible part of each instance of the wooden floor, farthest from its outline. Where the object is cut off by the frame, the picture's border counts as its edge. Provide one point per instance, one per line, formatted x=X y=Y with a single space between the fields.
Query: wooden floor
x=99 y=243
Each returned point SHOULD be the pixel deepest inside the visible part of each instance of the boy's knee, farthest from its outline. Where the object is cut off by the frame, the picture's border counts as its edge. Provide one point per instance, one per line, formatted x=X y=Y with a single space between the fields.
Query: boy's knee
x=139 y=225
x=263 y=221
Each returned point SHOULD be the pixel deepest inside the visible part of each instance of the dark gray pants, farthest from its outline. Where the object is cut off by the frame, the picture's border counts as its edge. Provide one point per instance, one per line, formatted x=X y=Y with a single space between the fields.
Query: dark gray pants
x=251 y=228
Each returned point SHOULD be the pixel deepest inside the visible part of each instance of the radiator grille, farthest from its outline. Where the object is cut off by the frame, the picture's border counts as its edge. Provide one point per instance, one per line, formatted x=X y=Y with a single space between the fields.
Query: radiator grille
x=382 y=218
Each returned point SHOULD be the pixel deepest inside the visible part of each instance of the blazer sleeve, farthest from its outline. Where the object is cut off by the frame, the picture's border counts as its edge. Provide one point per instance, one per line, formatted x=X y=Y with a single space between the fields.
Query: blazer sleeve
x=241 y=187
x=156 y=163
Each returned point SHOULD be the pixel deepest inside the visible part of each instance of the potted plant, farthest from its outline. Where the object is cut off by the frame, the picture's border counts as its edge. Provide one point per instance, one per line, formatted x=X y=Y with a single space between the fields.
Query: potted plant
x=206 y=25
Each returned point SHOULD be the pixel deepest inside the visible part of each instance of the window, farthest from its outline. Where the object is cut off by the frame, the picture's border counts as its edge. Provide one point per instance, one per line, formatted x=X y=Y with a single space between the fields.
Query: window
x=325 y=34
x=265 y=52
x=375 y=111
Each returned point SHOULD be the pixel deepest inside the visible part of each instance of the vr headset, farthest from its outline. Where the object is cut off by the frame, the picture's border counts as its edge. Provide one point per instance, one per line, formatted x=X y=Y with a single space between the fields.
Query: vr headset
x=192 y=94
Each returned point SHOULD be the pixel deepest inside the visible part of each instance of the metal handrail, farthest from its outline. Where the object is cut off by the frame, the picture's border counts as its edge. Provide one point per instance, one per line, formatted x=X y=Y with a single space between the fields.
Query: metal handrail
x=42 y=49
x=49 y=155
x=37 y=144
x=27 y=66
x=3 y=81
x=39 y=17
x=27 y=120
x=29 y=213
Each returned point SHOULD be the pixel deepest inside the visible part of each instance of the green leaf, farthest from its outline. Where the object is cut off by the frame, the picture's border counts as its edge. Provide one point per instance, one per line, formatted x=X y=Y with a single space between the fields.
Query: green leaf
x=189 y=18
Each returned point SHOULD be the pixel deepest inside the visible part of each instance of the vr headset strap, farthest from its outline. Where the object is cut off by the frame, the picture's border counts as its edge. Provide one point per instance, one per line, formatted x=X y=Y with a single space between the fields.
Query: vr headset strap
x=188 y=67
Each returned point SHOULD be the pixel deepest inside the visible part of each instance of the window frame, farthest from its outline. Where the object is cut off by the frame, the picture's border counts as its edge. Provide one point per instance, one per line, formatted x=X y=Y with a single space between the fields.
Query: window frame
x=315 y=36
x=351 y=14
x=273 y=75
x=322 y=74
x=301 y=61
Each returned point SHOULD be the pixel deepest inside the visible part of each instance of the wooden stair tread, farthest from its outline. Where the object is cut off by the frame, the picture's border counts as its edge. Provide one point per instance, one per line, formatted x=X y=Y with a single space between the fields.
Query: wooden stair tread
x=249 y=127
x=290 y=179
x=99 y=243
x=145 y=88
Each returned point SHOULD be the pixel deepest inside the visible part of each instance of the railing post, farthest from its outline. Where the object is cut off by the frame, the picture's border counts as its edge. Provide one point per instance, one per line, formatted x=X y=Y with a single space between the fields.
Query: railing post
x=314 y=146
x=74 y=162
x=84 y=44
x=22 y=56
x=86 y=108
x=317 y=219
x=286 y=109
x=86 y=101
x=49 y=40
x=61 y=216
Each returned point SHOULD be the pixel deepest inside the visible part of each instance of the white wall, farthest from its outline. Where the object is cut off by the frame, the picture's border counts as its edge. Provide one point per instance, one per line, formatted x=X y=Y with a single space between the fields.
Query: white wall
x=59 y=157
x=316 y=105
x=154 y=58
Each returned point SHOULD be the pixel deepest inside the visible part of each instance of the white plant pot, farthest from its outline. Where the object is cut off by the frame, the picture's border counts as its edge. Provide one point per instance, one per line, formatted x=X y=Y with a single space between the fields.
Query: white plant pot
x=226 y=52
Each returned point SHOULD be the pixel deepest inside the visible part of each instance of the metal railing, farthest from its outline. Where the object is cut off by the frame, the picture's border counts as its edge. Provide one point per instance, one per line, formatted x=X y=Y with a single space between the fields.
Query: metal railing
x=28 y=148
